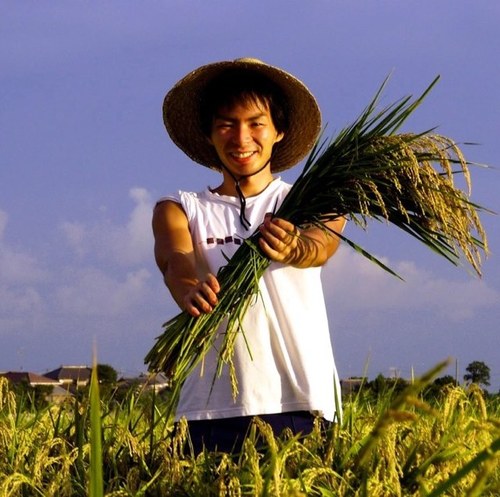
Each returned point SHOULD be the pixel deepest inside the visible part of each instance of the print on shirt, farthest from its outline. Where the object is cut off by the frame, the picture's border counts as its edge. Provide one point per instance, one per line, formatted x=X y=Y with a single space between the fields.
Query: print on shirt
x=225 y=240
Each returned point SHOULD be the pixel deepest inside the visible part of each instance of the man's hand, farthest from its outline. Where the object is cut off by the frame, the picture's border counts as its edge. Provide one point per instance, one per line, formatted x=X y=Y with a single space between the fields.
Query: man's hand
x=202 y=298
x=283 y=242
x=279 y=238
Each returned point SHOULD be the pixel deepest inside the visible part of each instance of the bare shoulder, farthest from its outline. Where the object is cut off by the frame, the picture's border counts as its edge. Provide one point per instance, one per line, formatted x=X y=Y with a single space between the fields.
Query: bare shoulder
x=168 y=214
x=171 y=233
x=167 y=206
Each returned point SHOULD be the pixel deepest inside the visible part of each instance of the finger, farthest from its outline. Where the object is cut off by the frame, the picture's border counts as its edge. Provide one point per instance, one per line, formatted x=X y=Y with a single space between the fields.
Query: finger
x=213 y=283
x=276 y=252
x=198 y=302
x=268 y=250
x=207 y=294
x=271 y=242
x=282 y=230
x=192 y=310
x=202 y=298
x=271 y=232
x=284 y=242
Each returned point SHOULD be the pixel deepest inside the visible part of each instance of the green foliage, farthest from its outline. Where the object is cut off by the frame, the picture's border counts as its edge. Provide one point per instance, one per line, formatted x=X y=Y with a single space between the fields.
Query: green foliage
x=96 y=484
x=392 y=443
x=106 y=374
x=382 y=386
x=478 y=372
x=29 y=397
x=439 y=387
x=108 y=377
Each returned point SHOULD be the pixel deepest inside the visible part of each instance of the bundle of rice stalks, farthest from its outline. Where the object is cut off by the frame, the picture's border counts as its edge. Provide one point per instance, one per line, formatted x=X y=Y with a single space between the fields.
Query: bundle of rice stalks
x=367 y=172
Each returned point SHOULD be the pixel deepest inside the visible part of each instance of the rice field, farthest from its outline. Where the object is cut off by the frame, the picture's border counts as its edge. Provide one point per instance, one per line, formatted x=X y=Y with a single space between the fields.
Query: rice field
x=388 y=445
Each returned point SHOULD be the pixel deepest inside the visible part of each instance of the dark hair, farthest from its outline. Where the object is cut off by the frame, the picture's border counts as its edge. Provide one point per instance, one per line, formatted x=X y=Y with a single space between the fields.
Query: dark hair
x=233 y=86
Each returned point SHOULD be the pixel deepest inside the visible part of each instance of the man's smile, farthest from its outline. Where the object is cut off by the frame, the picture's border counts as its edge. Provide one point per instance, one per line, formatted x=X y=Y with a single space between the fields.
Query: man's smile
x=241 y=155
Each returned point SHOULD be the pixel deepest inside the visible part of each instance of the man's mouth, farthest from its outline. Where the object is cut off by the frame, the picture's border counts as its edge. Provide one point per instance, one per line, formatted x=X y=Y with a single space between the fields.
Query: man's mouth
x=241 y=155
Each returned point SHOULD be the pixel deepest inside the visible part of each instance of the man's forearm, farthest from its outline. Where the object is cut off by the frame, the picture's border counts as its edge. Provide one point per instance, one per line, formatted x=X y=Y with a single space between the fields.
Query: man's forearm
x=179 y=277
x=313 y=249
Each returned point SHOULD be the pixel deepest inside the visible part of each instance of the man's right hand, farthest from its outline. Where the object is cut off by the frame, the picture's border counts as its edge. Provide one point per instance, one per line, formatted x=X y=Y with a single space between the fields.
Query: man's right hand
x=202 y=298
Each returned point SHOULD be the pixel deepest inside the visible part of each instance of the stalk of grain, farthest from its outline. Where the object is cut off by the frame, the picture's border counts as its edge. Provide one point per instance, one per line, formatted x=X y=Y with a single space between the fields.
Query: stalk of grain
x=96 y=487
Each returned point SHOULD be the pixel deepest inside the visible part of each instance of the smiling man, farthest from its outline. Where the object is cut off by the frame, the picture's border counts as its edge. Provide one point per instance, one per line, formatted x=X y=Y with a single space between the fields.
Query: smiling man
x=249 y=120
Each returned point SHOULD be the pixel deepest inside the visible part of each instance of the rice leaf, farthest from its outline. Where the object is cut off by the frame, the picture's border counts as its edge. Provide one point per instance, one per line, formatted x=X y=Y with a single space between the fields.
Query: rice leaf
x=96 y=475
x=483 y=456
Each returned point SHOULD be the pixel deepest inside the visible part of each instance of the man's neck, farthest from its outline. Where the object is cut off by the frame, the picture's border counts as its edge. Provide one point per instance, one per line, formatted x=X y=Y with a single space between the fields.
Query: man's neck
x=250 y=186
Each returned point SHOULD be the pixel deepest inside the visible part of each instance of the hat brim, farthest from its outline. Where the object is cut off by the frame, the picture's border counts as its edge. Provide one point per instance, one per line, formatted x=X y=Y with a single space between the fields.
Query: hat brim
x=181 y=114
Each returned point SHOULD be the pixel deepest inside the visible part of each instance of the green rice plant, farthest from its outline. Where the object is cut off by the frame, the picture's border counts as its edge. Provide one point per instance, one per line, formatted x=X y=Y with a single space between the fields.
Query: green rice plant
x=368 y=172
x=288 y=466
x=33 y=459
x=484 y=457
x=390 y=445
x=96 y=486
x=402 y=446
x=361 y=451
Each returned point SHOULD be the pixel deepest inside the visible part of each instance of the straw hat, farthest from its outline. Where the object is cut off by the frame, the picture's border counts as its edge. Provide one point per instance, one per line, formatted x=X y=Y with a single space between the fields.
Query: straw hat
x=181 y=114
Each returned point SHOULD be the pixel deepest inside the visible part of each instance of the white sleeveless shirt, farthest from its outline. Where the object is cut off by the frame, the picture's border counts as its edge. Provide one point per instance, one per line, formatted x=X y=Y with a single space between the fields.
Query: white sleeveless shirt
x=291 y=366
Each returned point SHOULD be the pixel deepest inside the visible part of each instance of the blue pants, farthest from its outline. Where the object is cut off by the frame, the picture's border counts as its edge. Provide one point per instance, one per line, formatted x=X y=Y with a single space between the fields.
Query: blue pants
x=227 y=434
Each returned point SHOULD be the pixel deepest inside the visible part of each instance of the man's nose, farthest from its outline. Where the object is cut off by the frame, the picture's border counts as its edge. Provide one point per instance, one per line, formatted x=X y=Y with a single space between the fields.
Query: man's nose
x=242 y=134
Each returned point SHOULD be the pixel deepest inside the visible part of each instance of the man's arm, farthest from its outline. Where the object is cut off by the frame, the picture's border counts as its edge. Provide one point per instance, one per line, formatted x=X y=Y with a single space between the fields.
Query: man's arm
x=174 y=255
x=283 y=242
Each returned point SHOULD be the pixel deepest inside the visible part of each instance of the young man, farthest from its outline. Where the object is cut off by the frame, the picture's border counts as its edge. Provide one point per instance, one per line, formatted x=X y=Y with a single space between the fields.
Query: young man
x=249 y=120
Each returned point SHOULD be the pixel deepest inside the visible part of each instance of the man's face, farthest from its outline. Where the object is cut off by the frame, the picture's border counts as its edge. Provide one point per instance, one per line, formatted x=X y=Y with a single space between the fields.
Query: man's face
x=243 y=136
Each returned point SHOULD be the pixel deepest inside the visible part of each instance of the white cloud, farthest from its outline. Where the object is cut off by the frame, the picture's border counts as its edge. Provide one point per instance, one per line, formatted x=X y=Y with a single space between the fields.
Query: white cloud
x=17 y=266
x=93 y=292
x=138 y=232
x=356 y=284
x=128 y=244
x=3 y=223
x=19 y=301
x=75 y=236
x=77 y=284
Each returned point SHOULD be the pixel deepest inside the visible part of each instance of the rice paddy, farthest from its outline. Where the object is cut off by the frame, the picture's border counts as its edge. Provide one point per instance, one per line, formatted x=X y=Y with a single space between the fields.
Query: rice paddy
x=388 y=445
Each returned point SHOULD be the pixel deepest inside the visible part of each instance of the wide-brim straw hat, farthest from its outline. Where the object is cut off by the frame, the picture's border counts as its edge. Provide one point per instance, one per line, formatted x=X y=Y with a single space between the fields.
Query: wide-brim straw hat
x=181 y=114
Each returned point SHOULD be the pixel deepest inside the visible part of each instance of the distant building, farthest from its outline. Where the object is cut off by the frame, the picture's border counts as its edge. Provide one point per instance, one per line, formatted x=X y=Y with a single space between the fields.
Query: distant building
x=31 y=379
x=59 y=394
x=78 y=376
x=56 y=394
x=352 y=384
x=155 y=381
x=66 y=380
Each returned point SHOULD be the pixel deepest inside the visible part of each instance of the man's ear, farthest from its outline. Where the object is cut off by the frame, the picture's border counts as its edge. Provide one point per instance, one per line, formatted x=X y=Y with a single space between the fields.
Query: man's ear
x=279 y=137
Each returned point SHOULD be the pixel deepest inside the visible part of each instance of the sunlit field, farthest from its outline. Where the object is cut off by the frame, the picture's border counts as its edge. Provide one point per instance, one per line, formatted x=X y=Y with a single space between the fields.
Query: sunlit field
x=389 y=444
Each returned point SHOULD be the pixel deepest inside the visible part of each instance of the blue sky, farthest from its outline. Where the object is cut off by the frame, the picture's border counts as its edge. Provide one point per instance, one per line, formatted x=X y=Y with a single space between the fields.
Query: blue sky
x=84 y=155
